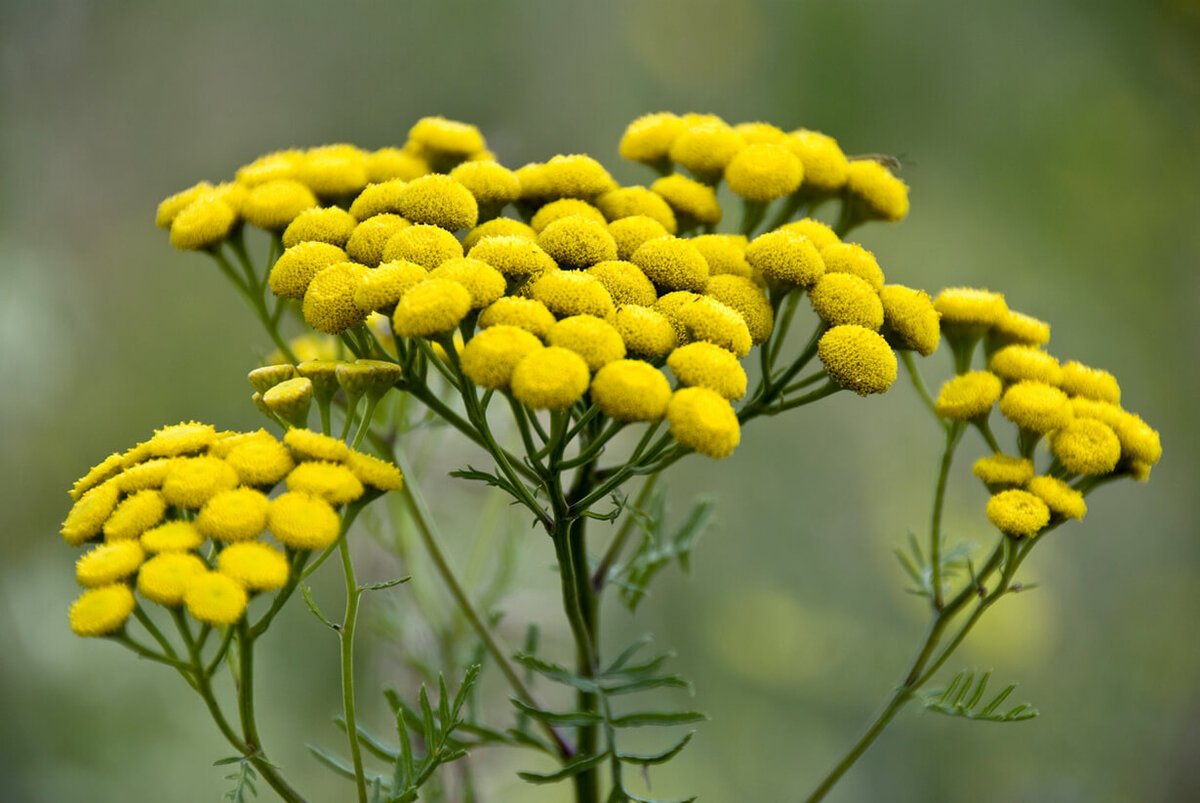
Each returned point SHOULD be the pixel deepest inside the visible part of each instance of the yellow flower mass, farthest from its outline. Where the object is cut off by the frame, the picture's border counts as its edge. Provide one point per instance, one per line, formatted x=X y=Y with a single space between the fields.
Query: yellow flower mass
x=858 y=359
x=552 y=378
x=631 y=390
x=100 y=611
x=1018 y=513
x=702 y=420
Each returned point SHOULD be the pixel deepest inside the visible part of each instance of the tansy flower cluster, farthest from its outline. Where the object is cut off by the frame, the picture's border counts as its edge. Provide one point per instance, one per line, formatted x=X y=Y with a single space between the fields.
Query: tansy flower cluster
x=200 y=520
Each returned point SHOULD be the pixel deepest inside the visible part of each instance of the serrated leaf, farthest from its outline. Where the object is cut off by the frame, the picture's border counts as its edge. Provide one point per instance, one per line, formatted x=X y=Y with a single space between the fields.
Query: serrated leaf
x=563 y=719
x=557 y=673
x=657 y=718
x=964 y=694
x=568 y=770
x=657 y=758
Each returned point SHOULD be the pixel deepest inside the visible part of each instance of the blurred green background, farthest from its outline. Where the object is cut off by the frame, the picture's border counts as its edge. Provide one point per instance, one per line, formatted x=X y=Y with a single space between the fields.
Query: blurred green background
x=1053 y=153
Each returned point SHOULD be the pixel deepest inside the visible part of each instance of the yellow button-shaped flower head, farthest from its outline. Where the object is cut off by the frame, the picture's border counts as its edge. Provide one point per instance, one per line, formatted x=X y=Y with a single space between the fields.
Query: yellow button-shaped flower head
x=329 y=300
x=515 y=256
x=878 y=193
x=672 y=263
x=106 y=469
x=202 y=224
x=1016 y=327
x=969 y=308
x=841 y=298
x=691 y=201
x=331 y=225
x=760 y=132
x=290 y=400
x=174 y=204
x=100 y=611
x=565 y=207
x=303 y=521
x=180 y=439
x=439 y=201
x=386 y=164
x=707 y=366
x=498 y=227
x=709 y=320
x=427 y=246
x=671 y=306
x=1018 y=513
x=748 y=299
x=576 y=241
x=238 y=514
x=273 y=166
x=1078 y=379
x=645 y=331
x=1139 y=441
x=820 y=234
x=785 y=257
x=825 y=166
x=911 y=321
x=857 y=359
x=706 y=147
x=369 y=239
x=631 y=390
x=261 y=379
x=1086 y=446
x=590 y=337
x=1062 y=499
x=309 y=445
x=1016 y=362
x=88 y=514
x=523 y=313
x=333 y=482
x=724 y=253
x=630 y=232
x=164 y=578
x=382 y=288
x=492 y=184
x=999 y=471
x=648 y=138
x=488 y=359
x=215 y=599
x=194 y=481
x=852 y=258
x=968 y=396
x=625 y=282
x=433 y=307
x=260 y=464
x=636 y=201
x=108 y=563
x=135 y=514
x=569 y=176
x=376 y=473
x=764 y=172
x=567 y=293
x=553 y=378
x=257 y=566
x=702 y=420
x=484 y=283
x=176 y=535
x=333 y=170
x=273 y=205
x=377 y=199
x=1036 y=406
x=444 y=136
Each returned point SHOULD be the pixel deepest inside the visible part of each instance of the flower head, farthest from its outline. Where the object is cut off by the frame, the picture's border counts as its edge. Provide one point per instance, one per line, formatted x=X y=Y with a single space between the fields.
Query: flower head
x=707 y=319
x=257 y=566
x=968 y=396
x=273 y=205
x=786 y=257
x=1018 y=513
x=488 y=359
x=1000 y=471
x=858 y=359
x=180 y=439
x=524 y=313
x=498 y=227
x=852 y=258
x=636 y=201
x=176 y=535
x=702 y=420
x=841 y=298
x=825 y=166
x=302 y=521
x=911 y=320
x=433 y=307
x=567 y=293
x=135 y=514
x=193 y=481
x=492 y=184
x=331 y=225
x=108 y=563
x=552 y=378
x=1078 y=379
x=238 y=514
x=1062 y=499
x=672 y=263
x=444 y=136
x=515 y=256
x=1017 y=362
x=764 y=172
x=1016 y=327
x=819 y=234
x=484 y=283
x=424 y=245
x=576 y=241
x=381 y=288
x=565 y=207
x=645 y=331
x=214 y=598
x=100 y=611
x=569 y=176
x=328 y=304
x=1036 y=406
x=165 y=577
x=439 y=201
x=689 y=199
x=590 y=337
x=369 y=239
x=202 y=224
x=631 y=390
x=378 y=474
x=880 y=194
x=106 y=469
x=746 y=298
x=705 y=365
x=705 y=147
x=648 y=138
x=625 y=282
x=1086 y=446
x=724 y=253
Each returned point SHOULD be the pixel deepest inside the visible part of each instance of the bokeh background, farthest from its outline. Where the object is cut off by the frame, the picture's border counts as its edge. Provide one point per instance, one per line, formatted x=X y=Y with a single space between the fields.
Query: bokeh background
x=1053 y=153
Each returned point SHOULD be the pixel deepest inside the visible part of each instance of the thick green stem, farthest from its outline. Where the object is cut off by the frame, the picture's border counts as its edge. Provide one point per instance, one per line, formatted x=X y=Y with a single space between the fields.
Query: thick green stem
x=346 y=634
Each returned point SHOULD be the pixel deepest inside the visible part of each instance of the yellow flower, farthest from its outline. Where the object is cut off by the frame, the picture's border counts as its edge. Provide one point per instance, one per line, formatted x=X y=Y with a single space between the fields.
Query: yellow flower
x=969 y=307
x=90 y=511
x=488 y=359
x=820 y=234
x=625 y=282
x=137 y=513
x=427 y=246
x=550 y=379
x=724 y=253
x=376 y=199
x=202 y=224
x=523 y=313
x=374 y=472
x=999 y=471
x=333 y=170
x=764 y=172
x=760 y=132
x=262 y=379
x=261 y=463
x=484 y=283
x=215 y=599
x=967 y=396
x=786 y=257
x=672 y=263
x=172 y=536
x=273 y=205
x=710 y=320
x=637 y=201
x=1110 y=414
x=492 y=184
x=235 y=515
x=164 y=578
x=1086 y=446
x=290 y=400
x=100 y=611
x=367 y=377
x=577 y=242
x=648 y=138
x=670 y=306
x=690 y=200
x=570 y=176
x=631 y=390
x=1016 y=362
x=515 y=256
x=565 y=207
x=1139 y=441
x=857 y=359
x=174 y=204
x=332 y=482
x=328 y=304
x=1018 y=513
x=702 y=420
x=1090 y=383
x=1036 y=406
x=645 y=331
x=1062 y=499
x=825 y=166
x=185 y=438
x=255 y=565
x=1016 y=327
x=331 y=225
x=303 y=521
x=270 y=167
x=146 y=475
x=567 y=293
x=747 y=299
x=439 y=201
x=386 y=164
x=447 y=136
x=433 y=307
x=108 y=563
x=911 y=319
x=383 y=287
x=498 y=227
x=841 y=298
x=707 y=366
x=706 y=147
x=852 y=258
x=106 y=469
x=880 y=194
x=195 y=480
x=309 y=445
x=590 y=337
x=630 y=232
x=369 y=239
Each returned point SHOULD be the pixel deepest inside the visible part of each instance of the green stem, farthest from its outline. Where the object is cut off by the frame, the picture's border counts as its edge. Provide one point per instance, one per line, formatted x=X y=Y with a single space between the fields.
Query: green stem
x=953 y=435
x=918 y=382
x=600 y=576
x=346 y=635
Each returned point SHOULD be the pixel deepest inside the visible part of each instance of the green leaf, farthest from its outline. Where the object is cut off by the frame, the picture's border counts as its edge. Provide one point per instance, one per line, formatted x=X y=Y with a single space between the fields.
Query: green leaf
x=221 y=762
x=557 y=673
x=568 y=770
x=657 y=718
x=563 y=719
x=368 y=740
x=653 y=682
x=656 y=551
x=306 y=592
x=334 y=763
x=961 y=698
x=384 y=584
x=627 y=654
x=657 y=758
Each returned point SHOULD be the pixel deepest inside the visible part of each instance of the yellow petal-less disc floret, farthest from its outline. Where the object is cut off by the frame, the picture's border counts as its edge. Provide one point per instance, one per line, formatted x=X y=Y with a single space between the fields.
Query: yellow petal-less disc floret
x=576 y=241
x=969 y=307
x=257 y=566
x=106 y=469
x=880 y=195
x=1086 y=446
x=764 y=172
x=203 y=223
x=670 y=306
x=709 y=320
x=383 y=287
x=786 y=257
x=724 y=253
x=261 y=379
x=238 y=514
x=645 y=331
x=1016 y=327
x=333 y=482
x=625 y=282
x=565 y=207
x=291 y=399
x=164 y=578
x=648 y=138
x=852 y=258
x=523 y=313
x=1139 y=441
x=1062 y=499
x=596 y=340
x=1016 y=362
x=377 y=199
x=566 y=293
x=1090 y=383
x=424 y=245
x=309 y=445
x=369 y=239
x=88 y=514
x=910 y=319
x=857 y=359
x=273 y=205
x=439 y=201
x=195 y=480
x=181 y=439
x=445 y=136
x=330 y=225
x=841 y=298
x=492 y=184
x=672 y=263
x=631 y=390
x=498 y=227
x=228 y=441
x=328 y=304
x=515 y=256
x=999 y=471
x=690 y=200
x=172 y=205
x=488 y=359
x=484 y=283
x=702 y=420
x=215 y=599
x=821 y=234
x=630 y=232
x=705 y=148
x=825 y=166
x=968 y=396
x=433 y=307
x=707 y=366
x=333 y=170
x=748 y=300
x=260 y=463
x=376 y=473
x=386 y=164
x=176 y=535
x=635 y=201
x=566 y=176
x=550 y=379
x=758 y=131
x=273 y=166
x=1018 y=513
x=303 y=521
x=100 y=611
x=108 y=563
x=137 y=513
x=1036 y=406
